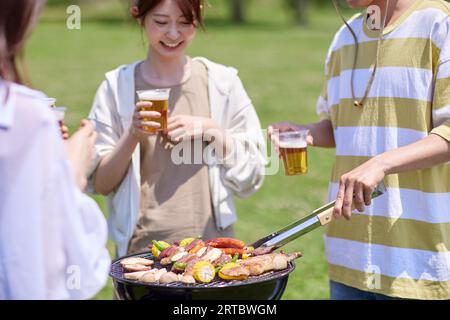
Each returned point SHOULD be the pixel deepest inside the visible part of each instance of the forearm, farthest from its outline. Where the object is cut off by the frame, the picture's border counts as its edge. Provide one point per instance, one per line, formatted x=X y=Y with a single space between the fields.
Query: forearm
x=321 y=134
x=112 y=167
x=425 y=153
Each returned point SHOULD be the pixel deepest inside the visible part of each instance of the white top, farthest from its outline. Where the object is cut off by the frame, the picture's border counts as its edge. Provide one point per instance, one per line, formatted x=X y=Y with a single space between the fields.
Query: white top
x=240 y=174
x=52 y=237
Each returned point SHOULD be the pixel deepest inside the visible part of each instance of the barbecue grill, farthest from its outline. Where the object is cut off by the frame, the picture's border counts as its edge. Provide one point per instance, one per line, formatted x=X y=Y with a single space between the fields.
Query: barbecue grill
x=268 y=286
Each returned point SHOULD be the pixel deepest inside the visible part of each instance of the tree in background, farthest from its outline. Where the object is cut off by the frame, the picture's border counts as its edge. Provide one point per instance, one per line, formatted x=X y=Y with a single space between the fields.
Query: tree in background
x=237 y=11
x=300 y=10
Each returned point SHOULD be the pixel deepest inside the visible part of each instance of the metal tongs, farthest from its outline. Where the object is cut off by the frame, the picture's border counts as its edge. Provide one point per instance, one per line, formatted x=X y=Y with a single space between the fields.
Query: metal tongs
x=319 y=217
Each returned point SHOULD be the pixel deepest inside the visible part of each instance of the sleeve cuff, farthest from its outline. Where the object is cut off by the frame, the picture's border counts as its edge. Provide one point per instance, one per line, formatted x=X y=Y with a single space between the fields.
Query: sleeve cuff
x=443 y=130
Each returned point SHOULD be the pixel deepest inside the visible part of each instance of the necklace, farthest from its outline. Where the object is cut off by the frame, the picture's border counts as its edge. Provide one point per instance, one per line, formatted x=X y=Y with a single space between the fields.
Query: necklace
x=360 y=103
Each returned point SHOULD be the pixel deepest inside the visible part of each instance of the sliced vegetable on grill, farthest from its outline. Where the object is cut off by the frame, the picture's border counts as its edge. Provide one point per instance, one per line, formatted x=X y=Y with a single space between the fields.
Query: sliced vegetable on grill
x=159 y=246
x=195 y=246
x=179 y=267
x=204 y=272
x=186 y=241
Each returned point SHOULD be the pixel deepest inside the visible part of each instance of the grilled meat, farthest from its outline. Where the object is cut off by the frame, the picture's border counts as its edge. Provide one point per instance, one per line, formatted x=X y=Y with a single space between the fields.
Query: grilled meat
x=136 y=267
x=168 y=252
x=137 y=260
x=264 y=263
x=225 y=243
x=134 y=275
x=224 y=258
x=169 y=277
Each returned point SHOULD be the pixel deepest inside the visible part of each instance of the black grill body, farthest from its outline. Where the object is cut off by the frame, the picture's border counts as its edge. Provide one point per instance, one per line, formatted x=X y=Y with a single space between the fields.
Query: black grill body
x=269 y=286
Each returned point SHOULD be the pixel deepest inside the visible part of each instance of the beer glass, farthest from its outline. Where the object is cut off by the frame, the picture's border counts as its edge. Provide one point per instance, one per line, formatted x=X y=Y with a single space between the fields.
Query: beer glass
x=293 y=152
x=60 y=112
x=160 y=103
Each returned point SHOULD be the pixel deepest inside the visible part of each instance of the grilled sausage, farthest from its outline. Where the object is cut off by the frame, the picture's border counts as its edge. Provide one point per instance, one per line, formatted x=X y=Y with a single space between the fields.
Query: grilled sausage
x=225 y=243
x=232 y=251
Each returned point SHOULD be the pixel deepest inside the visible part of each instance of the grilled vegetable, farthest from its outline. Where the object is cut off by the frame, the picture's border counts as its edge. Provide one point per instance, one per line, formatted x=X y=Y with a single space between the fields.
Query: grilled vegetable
x=179 y=266
x=245 y=256
x=225 y=243
x=233 y=271
x=185 y=242
x=199 y=245
x=159 y=246
x=194 y=243
x=204 y=272
x=178 y=256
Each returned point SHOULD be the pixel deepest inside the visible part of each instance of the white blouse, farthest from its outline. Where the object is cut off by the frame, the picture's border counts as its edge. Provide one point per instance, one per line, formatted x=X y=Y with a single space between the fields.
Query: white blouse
x=52 y=236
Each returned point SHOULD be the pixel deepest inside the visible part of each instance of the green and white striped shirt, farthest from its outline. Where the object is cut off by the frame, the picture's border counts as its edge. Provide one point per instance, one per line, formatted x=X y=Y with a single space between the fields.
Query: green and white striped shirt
x=400 y=246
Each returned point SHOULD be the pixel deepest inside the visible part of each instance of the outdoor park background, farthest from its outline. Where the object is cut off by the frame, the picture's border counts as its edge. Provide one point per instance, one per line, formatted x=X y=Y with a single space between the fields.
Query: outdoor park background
x=280 y=63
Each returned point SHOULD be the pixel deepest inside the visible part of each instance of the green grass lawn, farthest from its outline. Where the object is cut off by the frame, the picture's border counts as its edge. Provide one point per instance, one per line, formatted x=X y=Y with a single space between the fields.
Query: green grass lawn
x=281 y=66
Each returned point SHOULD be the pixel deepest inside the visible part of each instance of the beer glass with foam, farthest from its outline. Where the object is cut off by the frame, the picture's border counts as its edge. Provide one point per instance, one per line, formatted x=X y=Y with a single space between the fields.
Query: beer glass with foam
x=160 y=103
x=293 y=151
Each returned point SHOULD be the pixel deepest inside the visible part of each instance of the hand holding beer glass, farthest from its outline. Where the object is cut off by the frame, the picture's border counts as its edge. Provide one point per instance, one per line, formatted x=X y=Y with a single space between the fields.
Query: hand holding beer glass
x=292 y=148
x=60 y=113
x=151 y=103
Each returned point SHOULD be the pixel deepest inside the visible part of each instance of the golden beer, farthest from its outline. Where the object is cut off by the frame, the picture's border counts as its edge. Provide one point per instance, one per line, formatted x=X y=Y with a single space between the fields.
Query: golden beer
x=160 y=103
x=293 y=151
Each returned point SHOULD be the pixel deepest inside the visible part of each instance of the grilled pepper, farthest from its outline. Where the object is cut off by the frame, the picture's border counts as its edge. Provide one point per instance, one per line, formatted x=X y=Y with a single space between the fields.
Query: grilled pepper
x=204 y=272
x=179 y=266
x=158 y=246
x=185 y=242
x=198 y=245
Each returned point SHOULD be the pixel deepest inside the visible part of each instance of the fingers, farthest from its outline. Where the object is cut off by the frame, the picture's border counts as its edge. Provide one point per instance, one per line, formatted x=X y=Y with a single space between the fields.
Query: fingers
x=146 y=115
x=348 y=200
x=173 y=124
x=359 y=196
x=65 y=132
x=86 y=128
x=142 y=105
x=367 y=195
x=176 y=135
x=337 y=211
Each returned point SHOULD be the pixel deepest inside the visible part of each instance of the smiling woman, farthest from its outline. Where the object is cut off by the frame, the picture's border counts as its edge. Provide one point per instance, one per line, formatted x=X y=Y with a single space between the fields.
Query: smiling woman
x=150 y=195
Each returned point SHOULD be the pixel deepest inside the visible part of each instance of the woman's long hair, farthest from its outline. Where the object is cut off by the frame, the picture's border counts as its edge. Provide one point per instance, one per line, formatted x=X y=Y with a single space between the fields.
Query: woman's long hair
x=17 y=18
